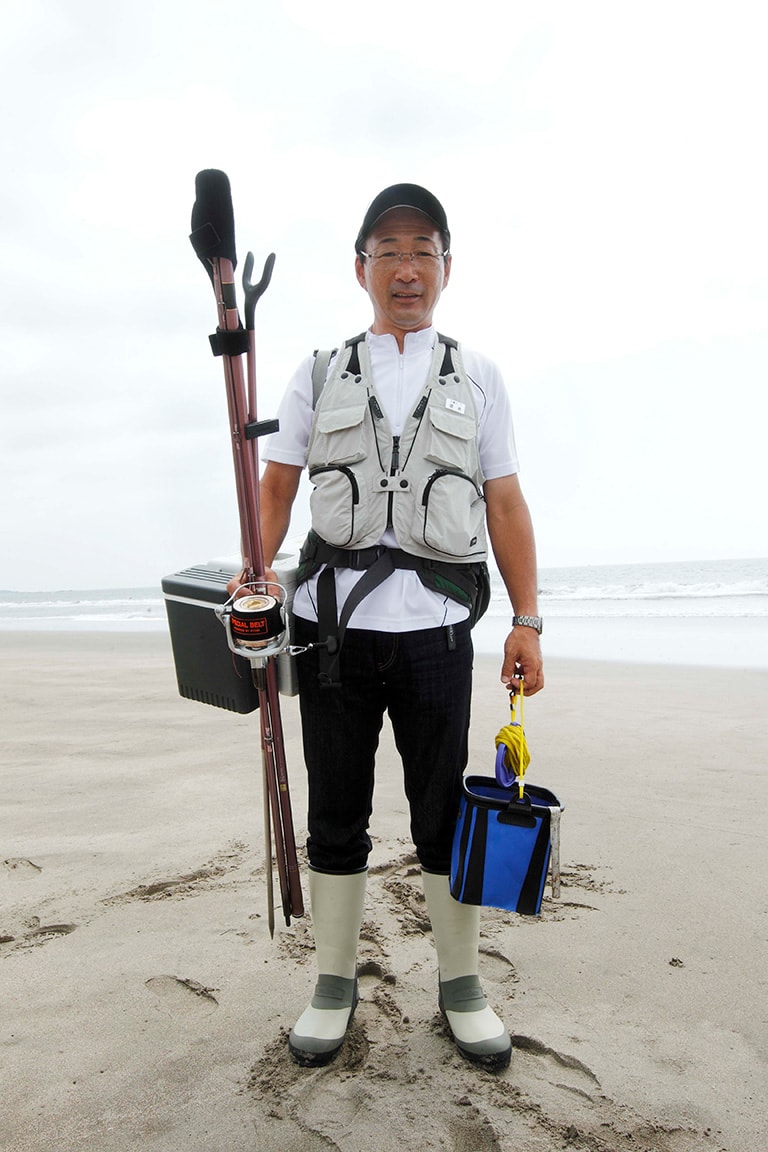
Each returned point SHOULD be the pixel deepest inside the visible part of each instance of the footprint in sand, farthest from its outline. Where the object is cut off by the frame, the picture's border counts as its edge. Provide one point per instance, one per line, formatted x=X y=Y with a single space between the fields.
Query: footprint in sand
x=48 y=931
x=36 y=933
x=495 y=965
x=19 y=868
x=188 y=995
x=573 y=1075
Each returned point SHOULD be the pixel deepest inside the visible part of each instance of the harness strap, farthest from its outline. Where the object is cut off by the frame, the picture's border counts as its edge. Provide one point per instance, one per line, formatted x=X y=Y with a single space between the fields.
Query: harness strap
x=448 y=343
x=327 y=629
x=466 y=583
x=333 y=626
x=323 y=357
x=353 y=364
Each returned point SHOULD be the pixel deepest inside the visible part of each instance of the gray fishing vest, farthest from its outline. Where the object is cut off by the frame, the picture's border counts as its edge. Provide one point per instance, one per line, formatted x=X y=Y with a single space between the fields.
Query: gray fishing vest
x=425 y=484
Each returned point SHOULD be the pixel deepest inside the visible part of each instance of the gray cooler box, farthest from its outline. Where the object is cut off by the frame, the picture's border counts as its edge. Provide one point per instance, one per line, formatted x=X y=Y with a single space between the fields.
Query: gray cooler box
x=206 y=668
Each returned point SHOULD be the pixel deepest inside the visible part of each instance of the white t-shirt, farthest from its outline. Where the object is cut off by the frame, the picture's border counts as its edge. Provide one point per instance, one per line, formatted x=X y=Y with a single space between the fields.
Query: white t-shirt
x=401 y=603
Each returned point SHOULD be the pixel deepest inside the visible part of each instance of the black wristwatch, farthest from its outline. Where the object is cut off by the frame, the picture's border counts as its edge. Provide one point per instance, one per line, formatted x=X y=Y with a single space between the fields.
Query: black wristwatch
x=534 y=622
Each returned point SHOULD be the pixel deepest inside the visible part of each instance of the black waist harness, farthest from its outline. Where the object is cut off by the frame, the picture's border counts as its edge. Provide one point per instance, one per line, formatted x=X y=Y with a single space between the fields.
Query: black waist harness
x=468 y=584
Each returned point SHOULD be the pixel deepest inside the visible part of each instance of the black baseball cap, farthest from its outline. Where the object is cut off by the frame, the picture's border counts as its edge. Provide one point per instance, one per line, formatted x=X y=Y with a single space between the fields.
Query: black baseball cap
x=404 y=196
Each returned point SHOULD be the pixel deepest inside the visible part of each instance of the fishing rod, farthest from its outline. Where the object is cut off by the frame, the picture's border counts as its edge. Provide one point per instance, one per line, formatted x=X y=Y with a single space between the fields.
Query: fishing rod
x=255 y=621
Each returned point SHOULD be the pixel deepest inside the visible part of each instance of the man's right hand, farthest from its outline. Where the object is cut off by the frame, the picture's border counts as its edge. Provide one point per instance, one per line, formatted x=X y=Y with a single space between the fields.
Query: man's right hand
x=235 y=585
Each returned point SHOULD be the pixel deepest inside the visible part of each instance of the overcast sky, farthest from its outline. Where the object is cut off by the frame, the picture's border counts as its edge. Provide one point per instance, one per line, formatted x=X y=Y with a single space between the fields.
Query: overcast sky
x=603 y=170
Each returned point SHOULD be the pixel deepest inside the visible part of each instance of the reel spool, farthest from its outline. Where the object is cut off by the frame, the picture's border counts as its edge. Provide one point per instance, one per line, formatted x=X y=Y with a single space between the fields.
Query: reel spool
x=255 y=623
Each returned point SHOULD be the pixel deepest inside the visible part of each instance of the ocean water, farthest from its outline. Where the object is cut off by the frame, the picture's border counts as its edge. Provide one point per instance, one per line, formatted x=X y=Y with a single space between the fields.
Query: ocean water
x=712 y=612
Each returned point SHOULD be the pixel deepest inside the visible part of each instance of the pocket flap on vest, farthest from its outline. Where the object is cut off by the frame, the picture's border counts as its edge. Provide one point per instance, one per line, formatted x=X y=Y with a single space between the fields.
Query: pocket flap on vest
x=453 y=423
x=337 y=419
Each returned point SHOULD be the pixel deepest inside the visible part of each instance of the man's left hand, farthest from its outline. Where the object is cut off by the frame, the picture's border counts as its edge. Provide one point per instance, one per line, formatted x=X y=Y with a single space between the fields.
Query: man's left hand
x=523 y=659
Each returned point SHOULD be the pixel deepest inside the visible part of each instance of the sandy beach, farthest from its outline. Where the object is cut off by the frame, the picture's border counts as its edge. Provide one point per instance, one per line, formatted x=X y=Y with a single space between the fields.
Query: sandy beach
x=144 y=1005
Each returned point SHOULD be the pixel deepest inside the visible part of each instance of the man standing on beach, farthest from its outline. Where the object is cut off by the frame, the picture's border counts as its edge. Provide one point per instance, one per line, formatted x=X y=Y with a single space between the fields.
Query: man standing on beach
x=411 y=452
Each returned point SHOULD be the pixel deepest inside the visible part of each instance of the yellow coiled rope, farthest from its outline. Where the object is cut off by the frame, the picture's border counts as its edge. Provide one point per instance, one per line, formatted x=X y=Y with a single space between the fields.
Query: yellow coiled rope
x=512 y=736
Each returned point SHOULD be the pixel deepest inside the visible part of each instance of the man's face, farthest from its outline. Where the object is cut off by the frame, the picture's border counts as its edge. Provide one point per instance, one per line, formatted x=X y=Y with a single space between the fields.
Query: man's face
x=404 y=293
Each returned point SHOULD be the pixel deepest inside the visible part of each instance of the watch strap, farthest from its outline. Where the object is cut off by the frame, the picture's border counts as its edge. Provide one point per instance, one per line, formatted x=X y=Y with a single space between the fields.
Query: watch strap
x=534 y=622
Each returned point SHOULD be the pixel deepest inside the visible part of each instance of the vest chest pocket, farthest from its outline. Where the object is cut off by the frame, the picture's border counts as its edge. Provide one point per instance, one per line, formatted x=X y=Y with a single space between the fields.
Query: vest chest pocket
x=450 y=516
x=339 y=500
x=339 y=435
x=450 y=438
x=336 y=506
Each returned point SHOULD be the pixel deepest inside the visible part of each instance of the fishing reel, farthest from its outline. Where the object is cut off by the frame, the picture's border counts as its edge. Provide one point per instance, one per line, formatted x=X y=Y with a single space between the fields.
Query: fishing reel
x=256 y=623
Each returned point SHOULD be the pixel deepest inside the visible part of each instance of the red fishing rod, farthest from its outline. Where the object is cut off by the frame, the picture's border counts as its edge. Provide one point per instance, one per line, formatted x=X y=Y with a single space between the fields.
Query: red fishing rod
x=255 y=624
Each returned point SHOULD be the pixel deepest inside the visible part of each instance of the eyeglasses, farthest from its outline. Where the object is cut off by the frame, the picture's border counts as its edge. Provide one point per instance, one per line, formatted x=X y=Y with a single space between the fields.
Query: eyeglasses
x=424 y=258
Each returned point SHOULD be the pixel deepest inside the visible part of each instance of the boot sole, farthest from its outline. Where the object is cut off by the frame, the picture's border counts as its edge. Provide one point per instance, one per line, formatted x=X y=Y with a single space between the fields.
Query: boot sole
x=314 y=1059
x=319 y=1059
x=493 y=1062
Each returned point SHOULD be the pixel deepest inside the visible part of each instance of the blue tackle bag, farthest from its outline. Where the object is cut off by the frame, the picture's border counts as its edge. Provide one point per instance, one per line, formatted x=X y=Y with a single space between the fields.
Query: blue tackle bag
x=503 y=845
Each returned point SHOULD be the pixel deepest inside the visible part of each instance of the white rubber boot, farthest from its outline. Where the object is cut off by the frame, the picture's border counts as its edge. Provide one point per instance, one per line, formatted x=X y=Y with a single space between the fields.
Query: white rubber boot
x=337 y=911
x=477 y=1031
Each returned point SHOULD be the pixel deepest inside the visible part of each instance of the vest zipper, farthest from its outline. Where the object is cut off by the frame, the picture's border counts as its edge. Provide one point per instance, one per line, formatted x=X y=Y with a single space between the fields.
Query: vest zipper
x=395 y=455
x=354 y=486
x=393 y=472
x=438 y=475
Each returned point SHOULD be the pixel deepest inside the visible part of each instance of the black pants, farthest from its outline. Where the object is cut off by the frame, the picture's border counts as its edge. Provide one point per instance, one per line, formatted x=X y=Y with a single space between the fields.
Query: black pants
x=425 y=684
